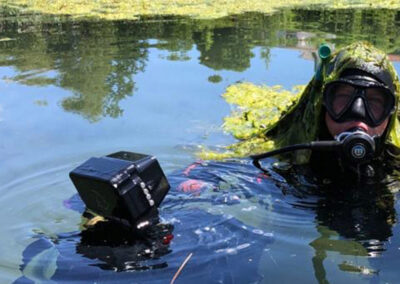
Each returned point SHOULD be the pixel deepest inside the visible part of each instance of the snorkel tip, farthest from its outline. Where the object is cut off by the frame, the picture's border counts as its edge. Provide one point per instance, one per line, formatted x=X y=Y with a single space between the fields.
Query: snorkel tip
x=324 y=53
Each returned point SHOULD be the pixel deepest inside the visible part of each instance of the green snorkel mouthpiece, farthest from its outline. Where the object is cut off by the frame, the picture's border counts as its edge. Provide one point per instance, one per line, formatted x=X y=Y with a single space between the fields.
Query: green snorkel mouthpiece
x=324 y=53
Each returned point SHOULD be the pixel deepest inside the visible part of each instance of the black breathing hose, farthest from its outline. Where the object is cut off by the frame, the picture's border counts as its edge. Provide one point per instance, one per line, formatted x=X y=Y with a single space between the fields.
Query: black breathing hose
x=315 y=145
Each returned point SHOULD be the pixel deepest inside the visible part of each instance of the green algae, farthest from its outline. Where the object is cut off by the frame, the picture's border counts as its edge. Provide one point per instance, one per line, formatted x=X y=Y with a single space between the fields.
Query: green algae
x=257 y=109
x=350 y=267
x=199 y=9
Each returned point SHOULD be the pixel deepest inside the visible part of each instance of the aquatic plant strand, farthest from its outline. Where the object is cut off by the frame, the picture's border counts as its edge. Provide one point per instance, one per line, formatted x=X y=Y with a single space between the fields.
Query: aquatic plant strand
x=181 y=267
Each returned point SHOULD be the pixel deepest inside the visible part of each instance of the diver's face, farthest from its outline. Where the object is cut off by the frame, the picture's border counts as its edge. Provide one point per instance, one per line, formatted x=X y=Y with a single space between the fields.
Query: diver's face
x=350 y=106
x=336 y=128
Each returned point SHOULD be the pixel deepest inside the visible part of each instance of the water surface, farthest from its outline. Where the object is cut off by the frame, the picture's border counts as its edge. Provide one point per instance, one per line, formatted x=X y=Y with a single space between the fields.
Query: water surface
x=75 y=89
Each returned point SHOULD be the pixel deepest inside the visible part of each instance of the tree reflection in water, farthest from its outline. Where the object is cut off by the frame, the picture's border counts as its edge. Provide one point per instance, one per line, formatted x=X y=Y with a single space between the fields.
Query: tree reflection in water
x=98 y=61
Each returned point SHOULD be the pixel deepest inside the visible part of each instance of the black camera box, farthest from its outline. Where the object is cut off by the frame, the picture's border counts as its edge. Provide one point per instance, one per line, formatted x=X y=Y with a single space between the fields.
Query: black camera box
x=122 y=185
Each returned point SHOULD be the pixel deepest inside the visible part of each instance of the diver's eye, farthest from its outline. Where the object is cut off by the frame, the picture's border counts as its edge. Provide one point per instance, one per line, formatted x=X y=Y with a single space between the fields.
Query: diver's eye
x=377 y=100
x=340 y=101
x=340 y=95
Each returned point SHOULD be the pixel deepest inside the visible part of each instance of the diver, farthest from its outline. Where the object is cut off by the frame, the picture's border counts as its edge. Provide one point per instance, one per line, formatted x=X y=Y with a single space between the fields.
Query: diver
x=347 y=117
x=350 y=109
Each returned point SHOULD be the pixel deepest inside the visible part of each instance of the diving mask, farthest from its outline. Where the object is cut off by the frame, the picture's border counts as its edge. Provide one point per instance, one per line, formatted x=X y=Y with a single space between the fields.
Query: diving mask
x=358 y=98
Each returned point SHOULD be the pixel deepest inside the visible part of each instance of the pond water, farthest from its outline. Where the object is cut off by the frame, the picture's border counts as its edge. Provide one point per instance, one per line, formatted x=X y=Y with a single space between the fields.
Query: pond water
x=72 y=89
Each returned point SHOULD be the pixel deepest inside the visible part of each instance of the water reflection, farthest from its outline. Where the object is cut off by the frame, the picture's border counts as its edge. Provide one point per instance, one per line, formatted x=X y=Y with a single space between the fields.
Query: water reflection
x=356 y=224
x=353 y=221
x=87 y=59
x=113 y=247
x=98 y=61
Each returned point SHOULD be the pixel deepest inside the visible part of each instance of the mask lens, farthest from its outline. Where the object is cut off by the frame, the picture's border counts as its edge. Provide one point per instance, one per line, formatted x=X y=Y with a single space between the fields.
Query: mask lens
x=380 y=102
x=338 y=96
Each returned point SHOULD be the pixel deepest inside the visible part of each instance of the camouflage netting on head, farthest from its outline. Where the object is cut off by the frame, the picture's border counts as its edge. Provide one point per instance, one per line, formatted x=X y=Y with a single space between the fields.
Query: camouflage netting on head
x=266 y=118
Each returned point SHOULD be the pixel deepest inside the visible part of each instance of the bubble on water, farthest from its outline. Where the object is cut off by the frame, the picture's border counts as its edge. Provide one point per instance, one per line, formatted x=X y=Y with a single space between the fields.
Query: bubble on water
x=227 y=216
x=243 y=246
x=233 y=250
x=227 y=199
x=258 y=231
x=172 y=220
x=250 y=208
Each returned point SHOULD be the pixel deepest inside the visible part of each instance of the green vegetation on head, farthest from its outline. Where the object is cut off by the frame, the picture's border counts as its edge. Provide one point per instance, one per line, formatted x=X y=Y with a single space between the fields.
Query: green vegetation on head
x=365 y=57
x=270 y=117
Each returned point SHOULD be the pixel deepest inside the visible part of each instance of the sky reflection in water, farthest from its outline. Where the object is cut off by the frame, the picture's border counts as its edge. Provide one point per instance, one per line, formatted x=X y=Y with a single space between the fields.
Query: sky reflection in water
x=72 y=90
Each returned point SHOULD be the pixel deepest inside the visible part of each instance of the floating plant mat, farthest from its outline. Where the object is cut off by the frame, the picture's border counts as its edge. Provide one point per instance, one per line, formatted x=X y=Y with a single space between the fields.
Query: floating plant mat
x=200 y=9
x=256 y=109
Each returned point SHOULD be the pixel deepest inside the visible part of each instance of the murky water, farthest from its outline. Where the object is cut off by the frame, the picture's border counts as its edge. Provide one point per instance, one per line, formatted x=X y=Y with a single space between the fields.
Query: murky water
x=71 y=90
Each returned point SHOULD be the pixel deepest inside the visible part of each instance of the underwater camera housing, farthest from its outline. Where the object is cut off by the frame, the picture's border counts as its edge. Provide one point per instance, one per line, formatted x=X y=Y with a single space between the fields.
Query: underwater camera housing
x=122 y=186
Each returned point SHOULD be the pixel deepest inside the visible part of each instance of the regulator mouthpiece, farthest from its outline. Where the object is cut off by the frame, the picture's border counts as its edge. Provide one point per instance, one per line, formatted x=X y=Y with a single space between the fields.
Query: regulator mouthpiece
x=354 y=145
x=357 y=146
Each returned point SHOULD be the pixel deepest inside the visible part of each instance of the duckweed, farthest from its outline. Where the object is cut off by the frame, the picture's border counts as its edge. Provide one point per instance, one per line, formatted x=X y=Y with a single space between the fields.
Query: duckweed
x=200 y=9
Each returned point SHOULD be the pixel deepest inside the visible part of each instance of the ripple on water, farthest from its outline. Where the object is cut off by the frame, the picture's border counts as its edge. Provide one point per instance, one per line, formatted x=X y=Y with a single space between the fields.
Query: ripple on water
x=230 y=226
x=223 y=238
x=32 y=204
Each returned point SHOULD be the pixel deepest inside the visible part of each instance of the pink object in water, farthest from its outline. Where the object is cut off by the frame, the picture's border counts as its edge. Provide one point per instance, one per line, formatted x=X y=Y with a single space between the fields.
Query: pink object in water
x=262 y=176
x=186 y=172
x=192 y=186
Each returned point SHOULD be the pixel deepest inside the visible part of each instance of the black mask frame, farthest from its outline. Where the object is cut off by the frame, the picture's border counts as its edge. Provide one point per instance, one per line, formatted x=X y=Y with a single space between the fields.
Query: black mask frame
x=366 y=115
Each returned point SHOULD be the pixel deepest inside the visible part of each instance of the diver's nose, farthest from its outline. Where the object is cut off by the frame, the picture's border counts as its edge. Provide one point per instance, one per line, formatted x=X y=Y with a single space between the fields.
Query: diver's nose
x=358 y=109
